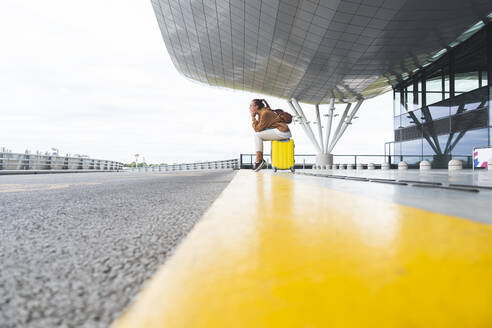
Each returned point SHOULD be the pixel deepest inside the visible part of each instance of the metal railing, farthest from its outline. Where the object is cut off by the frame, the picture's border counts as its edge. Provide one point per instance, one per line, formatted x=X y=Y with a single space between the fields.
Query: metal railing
x=18 y=161
x=231 y=164
x=307 y=161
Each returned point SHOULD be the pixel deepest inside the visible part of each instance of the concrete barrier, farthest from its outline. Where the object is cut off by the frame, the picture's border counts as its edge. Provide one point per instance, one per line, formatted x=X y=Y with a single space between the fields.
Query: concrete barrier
x=455 y=164
x=425 y=165
x=402 y=166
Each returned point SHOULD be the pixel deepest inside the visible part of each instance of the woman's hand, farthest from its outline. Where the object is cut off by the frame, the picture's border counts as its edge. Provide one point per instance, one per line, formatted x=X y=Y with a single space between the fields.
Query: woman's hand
x=252 y=112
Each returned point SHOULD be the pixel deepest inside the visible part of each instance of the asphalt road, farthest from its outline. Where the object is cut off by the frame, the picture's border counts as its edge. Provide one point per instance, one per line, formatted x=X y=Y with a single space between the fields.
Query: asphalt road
x=75 y=248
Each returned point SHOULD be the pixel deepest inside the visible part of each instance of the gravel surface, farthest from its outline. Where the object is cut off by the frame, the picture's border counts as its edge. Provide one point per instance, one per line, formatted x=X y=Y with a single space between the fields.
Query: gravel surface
x=76 y=248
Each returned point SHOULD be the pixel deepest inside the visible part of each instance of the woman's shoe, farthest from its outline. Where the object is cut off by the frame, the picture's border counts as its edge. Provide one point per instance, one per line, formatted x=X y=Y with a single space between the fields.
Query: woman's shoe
x=260 y=165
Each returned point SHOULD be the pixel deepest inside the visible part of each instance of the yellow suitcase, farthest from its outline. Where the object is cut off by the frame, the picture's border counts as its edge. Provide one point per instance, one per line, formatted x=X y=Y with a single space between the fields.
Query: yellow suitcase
x=283 y=155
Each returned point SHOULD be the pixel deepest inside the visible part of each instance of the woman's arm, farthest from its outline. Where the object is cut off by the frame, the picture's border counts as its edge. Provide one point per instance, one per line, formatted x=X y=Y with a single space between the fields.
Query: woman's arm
x=254 y=123
x=262 y=123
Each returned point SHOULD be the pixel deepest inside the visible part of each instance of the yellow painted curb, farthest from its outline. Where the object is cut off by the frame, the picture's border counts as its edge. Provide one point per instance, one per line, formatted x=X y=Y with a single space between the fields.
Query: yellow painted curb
x=277 y=252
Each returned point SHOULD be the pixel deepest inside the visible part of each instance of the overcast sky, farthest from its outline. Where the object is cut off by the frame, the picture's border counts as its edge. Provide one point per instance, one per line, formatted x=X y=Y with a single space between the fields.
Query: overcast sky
x=94 y=77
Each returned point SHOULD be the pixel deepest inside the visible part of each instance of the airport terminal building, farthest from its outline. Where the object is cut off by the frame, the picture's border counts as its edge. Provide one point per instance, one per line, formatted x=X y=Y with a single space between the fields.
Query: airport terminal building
x=436 y=57
x=443 y=109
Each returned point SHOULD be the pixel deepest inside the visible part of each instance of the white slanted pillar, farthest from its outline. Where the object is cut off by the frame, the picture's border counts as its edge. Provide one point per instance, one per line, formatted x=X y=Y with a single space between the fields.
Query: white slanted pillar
x=306 y=124
x=320 y=132
x=294 y=105
x=324 y=148
x=344 y=123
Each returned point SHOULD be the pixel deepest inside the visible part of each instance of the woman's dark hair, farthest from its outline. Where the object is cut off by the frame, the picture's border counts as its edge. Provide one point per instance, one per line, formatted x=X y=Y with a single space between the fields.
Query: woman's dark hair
x=260 y=103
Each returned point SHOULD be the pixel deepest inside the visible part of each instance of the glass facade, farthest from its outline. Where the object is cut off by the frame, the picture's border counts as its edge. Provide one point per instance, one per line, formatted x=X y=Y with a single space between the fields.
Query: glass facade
x=444 y=108
x=470 y=139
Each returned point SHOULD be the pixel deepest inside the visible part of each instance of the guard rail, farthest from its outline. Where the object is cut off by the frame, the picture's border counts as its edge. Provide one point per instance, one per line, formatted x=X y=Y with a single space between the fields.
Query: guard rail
x=307 y=161
x=19 y=161
x=215 y=165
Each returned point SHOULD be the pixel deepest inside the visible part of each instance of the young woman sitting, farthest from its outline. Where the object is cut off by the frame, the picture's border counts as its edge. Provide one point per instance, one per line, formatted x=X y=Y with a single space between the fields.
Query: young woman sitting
x=268 y=125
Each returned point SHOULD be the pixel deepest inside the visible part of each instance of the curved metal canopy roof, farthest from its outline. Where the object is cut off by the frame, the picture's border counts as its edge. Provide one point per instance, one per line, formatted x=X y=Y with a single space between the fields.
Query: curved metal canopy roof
x=312 y=50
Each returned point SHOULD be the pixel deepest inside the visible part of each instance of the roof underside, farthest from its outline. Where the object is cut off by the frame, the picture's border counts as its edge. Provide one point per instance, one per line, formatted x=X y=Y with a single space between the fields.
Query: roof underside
x=310 y=50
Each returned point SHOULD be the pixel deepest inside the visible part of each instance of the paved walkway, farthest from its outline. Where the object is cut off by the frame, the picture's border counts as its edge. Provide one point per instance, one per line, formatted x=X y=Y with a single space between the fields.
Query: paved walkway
x=464 y=193
x=283 y=250
x=76 y=248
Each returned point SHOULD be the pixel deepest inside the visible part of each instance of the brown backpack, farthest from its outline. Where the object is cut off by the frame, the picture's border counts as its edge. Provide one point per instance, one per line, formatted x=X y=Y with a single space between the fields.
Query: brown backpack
x=284 y=116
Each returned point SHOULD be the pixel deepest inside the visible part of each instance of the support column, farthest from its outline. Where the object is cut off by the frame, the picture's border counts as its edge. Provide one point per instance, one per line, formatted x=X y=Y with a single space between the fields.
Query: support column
x=345 y=124
x=322 y=159
x=324 y=156
x=339 y=127
x=307 y=129
x=329 y=122
x=306 y=124
x=320 y=132
x=300 y=118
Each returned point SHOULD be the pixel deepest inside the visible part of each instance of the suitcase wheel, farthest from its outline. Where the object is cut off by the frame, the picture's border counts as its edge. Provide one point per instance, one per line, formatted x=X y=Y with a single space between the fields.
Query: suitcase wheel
x=292 y=169
x=274 y=169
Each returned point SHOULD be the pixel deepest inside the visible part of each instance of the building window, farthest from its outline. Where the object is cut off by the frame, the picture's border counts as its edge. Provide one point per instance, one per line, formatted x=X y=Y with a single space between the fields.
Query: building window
x=404 y=122
x=443 y=143
x=419 y=116
x=412 y=150
x=465 y=82
x=397 y=148
x=397 y=102
x=470 y=60
x=419 y=95
x=427 y=148
x=433 y=87
x=476 y=99
x=446 y=87
x=404 y=107
x=488 y=105
x=410 y=97
x=465 y=141
x=397 y=122
x=439 y=110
